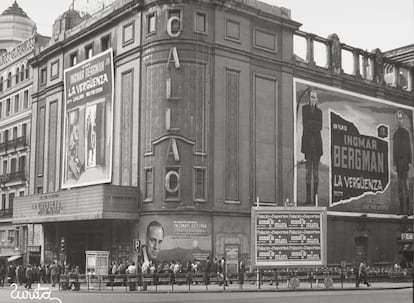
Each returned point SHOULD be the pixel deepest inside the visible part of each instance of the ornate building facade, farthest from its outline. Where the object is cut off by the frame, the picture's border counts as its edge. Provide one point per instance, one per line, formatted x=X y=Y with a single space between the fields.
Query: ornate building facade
x=184 y=114
x=18 y=41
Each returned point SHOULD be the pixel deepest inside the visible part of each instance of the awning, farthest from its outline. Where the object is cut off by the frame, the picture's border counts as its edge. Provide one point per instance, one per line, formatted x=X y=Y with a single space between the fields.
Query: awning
x=12 y=258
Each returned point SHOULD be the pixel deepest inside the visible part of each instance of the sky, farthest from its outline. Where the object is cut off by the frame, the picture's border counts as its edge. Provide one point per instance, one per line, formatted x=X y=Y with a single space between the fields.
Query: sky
x=365 y=24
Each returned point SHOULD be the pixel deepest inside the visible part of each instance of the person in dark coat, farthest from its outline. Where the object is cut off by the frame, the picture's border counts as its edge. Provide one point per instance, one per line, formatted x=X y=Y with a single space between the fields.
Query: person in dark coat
x=312 y=144
x=29 y=277
x=2 y=274
x=402 y=161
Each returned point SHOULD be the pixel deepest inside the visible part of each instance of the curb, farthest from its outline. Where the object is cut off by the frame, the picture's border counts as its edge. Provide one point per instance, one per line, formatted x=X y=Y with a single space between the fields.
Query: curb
x=241 y=291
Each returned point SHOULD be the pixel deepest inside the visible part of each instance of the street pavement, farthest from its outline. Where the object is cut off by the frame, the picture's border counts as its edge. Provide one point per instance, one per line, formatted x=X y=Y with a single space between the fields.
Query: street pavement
x=380 y=293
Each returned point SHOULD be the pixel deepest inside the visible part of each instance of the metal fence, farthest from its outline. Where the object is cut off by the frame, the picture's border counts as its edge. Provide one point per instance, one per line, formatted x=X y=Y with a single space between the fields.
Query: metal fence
x=201 y=281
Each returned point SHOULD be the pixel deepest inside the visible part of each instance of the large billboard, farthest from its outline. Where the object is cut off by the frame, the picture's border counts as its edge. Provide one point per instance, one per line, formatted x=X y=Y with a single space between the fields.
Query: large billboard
x=88 y=108
x=352 y=152
x=175 y=238
x=284 y=236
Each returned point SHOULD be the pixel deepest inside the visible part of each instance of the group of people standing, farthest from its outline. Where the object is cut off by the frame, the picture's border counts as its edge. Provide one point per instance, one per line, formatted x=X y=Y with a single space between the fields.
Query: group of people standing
x=27 y=275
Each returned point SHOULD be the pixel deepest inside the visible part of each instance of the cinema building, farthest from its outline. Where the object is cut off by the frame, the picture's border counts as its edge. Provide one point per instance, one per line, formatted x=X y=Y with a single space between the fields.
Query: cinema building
x=187 y=113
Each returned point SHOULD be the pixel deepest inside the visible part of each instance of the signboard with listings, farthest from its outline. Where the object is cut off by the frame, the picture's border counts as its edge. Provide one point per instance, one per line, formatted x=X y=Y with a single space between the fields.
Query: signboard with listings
x=289 y=236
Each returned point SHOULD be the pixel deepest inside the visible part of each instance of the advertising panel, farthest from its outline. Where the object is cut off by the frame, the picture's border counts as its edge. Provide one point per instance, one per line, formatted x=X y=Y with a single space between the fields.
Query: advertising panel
x=352 y=152
x=175 y=238
x=88 y=108
x=289 y=236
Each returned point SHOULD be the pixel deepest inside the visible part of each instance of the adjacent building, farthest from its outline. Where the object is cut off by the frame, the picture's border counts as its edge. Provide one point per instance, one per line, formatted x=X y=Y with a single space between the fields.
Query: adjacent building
x=187 y=113
x=18 y=41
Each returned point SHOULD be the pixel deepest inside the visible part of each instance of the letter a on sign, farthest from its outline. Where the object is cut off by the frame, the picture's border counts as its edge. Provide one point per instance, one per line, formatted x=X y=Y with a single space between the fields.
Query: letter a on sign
x=173 y=150
x=173 y=56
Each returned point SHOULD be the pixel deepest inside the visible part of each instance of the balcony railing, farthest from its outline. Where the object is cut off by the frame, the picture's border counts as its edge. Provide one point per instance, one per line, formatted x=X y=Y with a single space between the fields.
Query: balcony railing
x=12 y=177
x=14 y=144
x=8 y=212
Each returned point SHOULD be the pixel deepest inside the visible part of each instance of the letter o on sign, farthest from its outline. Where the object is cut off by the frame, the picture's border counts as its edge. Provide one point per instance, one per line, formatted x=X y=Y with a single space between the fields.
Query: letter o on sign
x=172 y=181
x=170 y=29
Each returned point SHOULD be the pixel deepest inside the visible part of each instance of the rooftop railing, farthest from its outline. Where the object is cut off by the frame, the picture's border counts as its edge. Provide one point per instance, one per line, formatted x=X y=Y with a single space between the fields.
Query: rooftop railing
x=341 y=59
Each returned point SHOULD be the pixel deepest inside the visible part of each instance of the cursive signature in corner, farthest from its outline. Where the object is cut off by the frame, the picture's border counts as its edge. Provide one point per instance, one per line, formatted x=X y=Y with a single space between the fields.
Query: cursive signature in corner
x=39 y=293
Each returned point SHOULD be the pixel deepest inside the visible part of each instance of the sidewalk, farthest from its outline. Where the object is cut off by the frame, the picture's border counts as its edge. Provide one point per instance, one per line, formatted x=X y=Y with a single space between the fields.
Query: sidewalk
x=248 y=287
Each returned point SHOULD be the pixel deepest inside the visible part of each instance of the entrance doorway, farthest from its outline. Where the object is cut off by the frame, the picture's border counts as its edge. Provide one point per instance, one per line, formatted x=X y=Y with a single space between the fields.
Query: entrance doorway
x=77 y=243
x=360 y=253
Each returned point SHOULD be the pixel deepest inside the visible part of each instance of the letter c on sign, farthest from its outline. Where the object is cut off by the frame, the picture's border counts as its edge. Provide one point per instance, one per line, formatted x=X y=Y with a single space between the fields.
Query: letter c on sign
x=168 y=176
x=169 y=27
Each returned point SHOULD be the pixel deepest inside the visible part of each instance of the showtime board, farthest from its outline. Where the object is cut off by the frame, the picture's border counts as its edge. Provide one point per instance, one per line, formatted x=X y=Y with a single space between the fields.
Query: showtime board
x=288 y=237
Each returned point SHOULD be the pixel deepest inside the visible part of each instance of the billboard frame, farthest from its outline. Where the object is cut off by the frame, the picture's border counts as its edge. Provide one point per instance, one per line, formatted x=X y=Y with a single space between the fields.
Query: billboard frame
x=323 y=223
x=108 y=122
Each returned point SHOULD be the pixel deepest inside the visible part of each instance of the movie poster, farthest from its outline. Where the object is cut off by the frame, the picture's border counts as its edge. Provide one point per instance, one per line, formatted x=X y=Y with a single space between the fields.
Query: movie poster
x=87 y=156
x=183 y=238
x=352 y=152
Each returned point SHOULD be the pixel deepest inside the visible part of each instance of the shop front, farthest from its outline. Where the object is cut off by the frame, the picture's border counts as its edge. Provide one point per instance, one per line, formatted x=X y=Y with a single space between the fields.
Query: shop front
x=100 y=217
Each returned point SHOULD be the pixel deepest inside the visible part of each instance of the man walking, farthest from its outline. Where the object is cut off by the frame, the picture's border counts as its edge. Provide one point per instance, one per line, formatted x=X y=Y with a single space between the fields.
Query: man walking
x=362 y=274
x=29 y=277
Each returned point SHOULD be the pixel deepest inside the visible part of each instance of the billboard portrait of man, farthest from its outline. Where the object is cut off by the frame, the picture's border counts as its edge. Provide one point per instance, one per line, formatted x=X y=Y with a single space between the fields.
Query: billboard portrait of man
x=153 y=239
x=402 y=159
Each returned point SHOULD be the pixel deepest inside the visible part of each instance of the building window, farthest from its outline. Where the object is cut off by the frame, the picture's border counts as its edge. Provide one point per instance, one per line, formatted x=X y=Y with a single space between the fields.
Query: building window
x=11 y=201
x=149 y=181
x=26 y=99
x=9 y=76
x=39 y=189
x=128 y=31
x=14 y=132
x=231 y=132
x=200 y=22
x=265 y=40
x=43 y=76
x=24 y=129
x=1 y=109
x=172 y=183
x=151 y=23
x=54 y=70
x=6 y=137
x=89 y=51
x=4 y=167
x=106 y=42
x=13 y=167
x=8 y=107
x=199 y=186
x=17 y=75
x=16 y=103
x=10 y=236
x=73 y=59
x=232 y=30
x=22 y=164
x=2 y=235
x=22 y=73
x=27 y=71
x=1 y=84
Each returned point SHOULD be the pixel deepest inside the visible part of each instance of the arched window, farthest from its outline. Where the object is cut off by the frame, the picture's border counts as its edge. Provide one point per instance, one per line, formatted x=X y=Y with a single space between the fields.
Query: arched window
x=1 y=84
x=22 y=73
x=17 y=75
x=27 y=72
x=9 y=80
